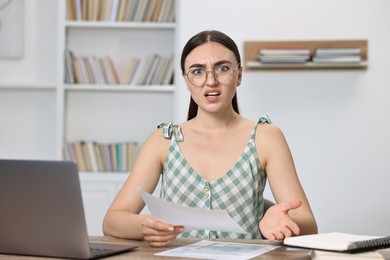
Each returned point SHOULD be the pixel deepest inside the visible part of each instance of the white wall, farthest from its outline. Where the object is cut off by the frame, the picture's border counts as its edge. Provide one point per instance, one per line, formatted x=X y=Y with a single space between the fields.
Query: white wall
x=336 y=122
x=27 y=87
x=38 y=65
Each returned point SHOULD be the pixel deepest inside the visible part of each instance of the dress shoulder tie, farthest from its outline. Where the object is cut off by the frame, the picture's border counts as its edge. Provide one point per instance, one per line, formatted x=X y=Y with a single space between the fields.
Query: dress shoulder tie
x=264 y=120
x=168 y=129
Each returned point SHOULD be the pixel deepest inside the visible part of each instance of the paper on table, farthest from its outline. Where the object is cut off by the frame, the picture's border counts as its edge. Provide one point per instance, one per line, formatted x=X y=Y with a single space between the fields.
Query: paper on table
x=189 y=217
x=219 y=250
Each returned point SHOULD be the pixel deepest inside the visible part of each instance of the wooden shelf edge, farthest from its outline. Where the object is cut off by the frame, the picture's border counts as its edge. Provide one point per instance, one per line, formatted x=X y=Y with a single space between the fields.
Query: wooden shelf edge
x=254 y=66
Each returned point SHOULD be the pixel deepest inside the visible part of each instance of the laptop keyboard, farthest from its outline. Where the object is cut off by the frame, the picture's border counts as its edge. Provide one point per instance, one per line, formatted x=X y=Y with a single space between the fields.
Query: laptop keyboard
x=99 y=250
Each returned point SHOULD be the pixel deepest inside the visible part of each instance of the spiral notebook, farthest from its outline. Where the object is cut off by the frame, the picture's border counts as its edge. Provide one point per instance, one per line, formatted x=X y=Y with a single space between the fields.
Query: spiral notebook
x=339 y=242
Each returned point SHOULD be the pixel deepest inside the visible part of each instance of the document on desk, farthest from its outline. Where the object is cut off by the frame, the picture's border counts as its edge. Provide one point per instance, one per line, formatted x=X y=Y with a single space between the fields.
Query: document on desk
x=189 y=217
x=219 y=250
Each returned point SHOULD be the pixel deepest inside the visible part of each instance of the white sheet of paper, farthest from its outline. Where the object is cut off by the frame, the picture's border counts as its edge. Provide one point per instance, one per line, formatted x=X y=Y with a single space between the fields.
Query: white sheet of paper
x=219 y=250
x=189 y=217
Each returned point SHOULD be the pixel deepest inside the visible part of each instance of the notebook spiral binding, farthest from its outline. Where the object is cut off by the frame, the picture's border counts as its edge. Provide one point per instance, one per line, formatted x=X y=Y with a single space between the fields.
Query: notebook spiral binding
x=372 y=244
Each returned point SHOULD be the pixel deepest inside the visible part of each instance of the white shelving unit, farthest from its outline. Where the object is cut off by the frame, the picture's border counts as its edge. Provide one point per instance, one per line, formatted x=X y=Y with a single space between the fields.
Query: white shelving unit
x=110 y=113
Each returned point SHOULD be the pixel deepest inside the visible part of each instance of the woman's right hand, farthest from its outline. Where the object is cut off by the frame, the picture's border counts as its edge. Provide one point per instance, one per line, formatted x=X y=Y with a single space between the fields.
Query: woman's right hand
x=158 y=233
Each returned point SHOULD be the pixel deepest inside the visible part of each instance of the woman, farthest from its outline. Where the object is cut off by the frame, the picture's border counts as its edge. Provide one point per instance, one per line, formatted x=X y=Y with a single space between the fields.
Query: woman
x=217 y=159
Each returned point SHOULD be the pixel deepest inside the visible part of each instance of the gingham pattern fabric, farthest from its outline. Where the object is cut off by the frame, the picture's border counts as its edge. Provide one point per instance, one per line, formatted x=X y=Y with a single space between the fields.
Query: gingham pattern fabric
x=239 y=191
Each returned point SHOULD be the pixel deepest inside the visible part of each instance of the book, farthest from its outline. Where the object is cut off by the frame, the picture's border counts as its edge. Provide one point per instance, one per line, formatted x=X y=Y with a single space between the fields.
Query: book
x=338 y=52
x=107 y=165
x=87 y=65
x=153 y=70
x=132 y=10
x=114 y=10
x=161 y=71
x=81 y=164
x=141 y=9
x=339 y=242
x=284 y=52
x=95 y=7
x=284 y=59
x=168 y=74
x=69 y=75
x=146 y=68
x=338 y=59
x=156 y=11
x=122 y=10
x=80 y=70
x=112 y=70
x=129 y=72
x=284 y=55
x=92 y=156
x=71 y=10
x=150 y=10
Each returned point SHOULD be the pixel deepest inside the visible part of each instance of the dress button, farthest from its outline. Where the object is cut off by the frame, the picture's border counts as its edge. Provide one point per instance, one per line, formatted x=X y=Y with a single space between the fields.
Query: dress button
x=207 y=195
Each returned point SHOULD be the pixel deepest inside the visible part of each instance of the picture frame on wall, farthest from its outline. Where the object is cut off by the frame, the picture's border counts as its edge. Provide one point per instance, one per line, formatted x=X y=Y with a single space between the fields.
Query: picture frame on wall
x=11 y=29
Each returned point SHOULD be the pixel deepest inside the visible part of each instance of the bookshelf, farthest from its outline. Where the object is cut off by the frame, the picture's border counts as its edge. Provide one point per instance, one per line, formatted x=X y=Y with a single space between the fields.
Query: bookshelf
x=111 y=112
x=104 y=111
x=252 y=48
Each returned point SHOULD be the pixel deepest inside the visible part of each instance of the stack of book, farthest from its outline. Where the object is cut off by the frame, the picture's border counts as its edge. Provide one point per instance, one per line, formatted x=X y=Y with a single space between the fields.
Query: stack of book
x=337 y=56
x=89 y=69
x=283 y=56
x=153 y=70
x=121 y=10
x=102 y=157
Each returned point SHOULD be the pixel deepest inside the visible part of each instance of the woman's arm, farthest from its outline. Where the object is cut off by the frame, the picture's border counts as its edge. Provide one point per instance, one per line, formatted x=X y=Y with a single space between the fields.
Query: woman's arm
x=292 y=215
x=122 y=218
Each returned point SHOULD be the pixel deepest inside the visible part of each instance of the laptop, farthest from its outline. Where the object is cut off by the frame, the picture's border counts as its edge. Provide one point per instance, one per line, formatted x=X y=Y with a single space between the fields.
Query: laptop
x=42 y=214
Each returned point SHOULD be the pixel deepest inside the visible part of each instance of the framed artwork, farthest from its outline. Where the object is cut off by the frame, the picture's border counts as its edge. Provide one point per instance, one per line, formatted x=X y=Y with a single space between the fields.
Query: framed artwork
x=11 y=29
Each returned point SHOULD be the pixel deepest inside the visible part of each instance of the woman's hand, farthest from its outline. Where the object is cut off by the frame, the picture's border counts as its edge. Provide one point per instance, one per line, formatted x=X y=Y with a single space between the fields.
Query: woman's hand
x=158 y=233
x=276 y=224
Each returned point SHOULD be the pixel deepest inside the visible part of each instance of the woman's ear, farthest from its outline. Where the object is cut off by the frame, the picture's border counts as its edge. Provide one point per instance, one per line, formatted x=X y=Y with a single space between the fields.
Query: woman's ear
x=186 y=82
x=239 y=76
x=187 y=86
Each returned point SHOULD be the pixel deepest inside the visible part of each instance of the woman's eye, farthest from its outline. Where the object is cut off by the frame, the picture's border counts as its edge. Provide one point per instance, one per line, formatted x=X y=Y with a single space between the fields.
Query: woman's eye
x=223 y=68
x=197 y=72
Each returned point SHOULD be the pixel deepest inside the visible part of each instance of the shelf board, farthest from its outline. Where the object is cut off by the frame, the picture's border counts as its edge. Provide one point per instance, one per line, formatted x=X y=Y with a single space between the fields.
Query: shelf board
x=116 y=88
x=124 y=25
x=252 y=48
x=26 y=86
x=253 y=65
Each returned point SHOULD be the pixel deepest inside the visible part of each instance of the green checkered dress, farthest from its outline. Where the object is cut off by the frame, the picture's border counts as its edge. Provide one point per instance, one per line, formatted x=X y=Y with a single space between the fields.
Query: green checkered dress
x=239 y=191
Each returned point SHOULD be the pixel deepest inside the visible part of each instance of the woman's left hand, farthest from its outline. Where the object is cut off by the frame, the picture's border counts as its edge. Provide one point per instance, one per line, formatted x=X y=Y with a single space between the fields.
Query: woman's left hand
x=276 y=224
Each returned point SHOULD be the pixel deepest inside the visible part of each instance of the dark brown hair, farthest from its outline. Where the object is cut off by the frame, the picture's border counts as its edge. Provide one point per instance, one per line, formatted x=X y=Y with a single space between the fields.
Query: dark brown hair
x=199 y=39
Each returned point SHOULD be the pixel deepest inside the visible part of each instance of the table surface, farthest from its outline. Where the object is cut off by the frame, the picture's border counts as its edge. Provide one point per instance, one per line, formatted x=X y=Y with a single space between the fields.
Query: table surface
x=144 y=251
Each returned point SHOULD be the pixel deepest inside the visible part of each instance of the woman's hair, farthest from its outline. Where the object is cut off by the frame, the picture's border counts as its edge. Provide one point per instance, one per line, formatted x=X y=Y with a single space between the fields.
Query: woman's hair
x=199 y=39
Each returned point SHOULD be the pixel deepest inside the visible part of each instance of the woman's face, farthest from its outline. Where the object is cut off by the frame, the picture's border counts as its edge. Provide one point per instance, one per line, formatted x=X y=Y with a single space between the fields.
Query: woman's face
x=214 y=90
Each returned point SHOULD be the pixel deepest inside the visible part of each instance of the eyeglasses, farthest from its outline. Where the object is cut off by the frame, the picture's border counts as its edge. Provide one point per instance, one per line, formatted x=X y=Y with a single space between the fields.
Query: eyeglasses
x=222 y=73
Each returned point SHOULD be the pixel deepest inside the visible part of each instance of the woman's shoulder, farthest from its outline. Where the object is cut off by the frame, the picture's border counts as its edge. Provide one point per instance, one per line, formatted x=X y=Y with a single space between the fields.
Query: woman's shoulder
x=156 y=138
x=267 y=129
